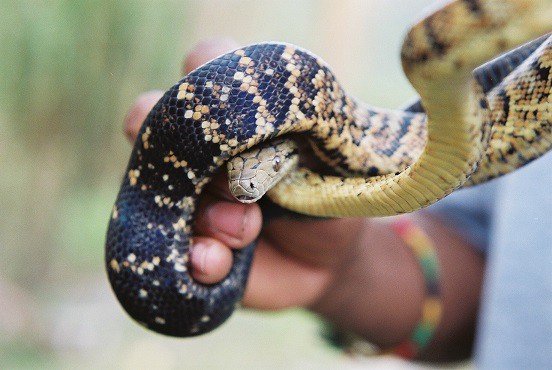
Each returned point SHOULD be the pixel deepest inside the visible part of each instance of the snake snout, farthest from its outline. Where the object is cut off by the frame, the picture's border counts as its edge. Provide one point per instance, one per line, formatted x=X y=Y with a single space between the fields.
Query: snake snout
x=246 y=193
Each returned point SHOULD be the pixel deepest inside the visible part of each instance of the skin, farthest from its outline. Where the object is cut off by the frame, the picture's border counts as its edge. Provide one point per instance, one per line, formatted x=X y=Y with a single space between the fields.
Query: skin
x=355 y=273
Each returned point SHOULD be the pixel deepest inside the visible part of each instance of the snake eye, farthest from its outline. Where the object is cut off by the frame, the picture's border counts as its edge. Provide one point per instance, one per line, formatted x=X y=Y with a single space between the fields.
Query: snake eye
x=277 y=163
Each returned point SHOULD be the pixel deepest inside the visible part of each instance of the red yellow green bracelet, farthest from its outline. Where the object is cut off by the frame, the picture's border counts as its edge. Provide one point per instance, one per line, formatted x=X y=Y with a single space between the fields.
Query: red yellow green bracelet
x=424 y=250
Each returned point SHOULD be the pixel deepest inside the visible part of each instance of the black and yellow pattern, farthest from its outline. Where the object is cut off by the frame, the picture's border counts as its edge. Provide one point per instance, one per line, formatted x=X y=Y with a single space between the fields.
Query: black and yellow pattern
x=263 y=91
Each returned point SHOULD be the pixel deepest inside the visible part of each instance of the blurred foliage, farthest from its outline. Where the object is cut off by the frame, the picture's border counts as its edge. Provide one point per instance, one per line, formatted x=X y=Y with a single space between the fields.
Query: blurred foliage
x=70 y=69
x=68 y=72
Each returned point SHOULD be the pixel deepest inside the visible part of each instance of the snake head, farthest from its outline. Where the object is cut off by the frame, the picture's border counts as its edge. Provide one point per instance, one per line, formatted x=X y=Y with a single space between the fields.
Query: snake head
x=254 y=172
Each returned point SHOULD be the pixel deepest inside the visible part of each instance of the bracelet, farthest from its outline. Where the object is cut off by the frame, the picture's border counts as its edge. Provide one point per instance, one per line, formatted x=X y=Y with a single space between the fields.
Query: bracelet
x=424 y=250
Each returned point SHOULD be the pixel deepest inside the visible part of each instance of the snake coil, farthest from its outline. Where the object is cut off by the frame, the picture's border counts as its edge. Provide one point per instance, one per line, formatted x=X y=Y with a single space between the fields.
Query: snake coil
x=262 y=91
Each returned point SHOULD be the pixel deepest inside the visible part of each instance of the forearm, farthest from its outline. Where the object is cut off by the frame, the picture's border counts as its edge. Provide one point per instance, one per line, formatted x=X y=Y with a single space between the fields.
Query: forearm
x=379 y=292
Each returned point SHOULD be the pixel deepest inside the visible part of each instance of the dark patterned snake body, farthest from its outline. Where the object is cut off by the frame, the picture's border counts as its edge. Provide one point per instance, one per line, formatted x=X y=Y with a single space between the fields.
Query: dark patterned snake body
x=399 y=160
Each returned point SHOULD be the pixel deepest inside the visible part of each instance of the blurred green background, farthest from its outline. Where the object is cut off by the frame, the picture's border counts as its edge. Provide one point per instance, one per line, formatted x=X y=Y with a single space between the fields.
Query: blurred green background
x=69 y=70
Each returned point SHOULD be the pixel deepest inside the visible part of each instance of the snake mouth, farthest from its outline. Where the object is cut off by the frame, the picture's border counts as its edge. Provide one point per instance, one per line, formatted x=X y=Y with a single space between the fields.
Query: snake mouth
x=246 y=199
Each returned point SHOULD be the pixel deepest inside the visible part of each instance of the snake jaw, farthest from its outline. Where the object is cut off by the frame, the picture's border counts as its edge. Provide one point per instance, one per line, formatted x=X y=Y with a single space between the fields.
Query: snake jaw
x=247 y=199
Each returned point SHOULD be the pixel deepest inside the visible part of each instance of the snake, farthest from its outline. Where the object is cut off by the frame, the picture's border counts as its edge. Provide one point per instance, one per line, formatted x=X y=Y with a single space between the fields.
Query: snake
x=253 y=173
x=386 y=162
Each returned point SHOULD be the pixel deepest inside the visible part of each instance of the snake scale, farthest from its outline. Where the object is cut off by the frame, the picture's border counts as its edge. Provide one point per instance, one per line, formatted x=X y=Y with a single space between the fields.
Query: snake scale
x=396 y=161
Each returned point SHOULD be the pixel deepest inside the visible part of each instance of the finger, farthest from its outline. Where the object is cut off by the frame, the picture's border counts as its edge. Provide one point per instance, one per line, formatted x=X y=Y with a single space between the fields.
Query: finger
x=230 y=222
x=280 y=281
x=324 y=242
x=206 y=50
x=210 y=260
x=295 y=261
x=138 y=113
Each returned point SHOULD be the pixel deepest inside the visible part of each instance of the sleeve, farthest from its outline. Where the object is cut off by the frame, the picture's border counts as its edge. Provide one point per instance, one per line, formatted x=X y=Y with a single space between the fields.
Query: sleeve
x=470 y=211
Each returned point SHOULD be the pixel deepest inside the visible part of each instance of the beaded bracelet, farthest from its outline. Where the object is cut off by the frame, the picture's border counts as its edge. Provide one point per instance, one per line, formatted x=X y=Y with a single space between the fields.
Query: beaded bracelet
x=424 y=250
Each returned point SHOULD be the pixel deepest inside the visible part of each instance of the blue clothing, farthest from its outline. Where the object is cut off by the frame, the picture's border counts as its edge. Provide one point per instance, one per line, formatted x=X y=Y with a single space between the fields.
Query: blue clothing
x=510 y=219
x=470 y=210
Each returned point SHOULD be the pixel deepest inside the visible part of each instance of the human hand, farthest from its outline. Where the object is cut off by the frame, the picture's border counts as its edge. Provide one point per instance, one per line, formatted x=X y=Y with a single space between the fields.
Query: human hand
x=354 y=272
x=295 y=261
